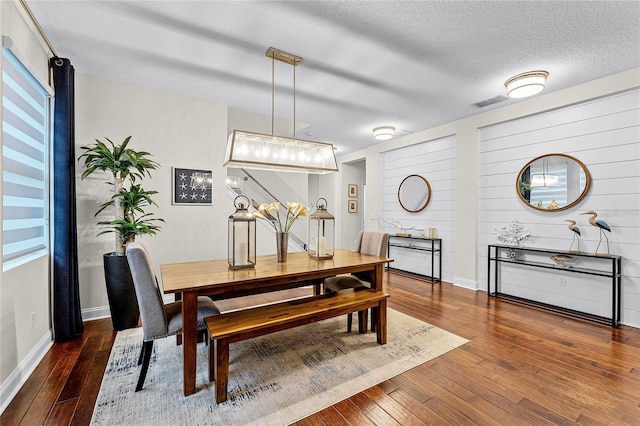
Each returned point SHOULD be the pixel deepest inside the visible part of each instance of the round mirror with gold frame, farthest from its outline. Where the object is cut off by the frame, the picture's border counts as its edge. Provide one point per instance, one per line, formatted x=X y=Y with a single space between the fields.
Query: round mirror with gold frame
x=553 y=182
x=414 y=193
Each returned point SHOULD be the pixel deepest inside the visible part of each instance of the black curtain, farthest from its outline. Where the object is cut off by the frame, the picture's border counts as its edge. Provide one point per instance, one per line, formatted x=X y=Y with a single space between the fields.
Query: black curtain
x=67 y=317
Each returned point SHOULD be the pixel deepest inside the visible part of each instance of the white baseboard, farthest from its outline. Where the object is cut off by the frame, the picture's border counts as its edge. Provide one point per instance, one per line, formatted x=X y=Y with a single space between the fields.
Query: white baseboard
x=101 y=312
x=463 y=282
x=19 y=376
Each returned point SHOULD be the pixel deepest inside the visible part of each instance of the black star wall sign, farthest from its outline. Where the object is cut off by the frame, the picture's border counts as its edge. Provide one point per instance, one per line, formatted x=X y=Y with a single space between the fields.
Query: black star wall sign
x=191 y=186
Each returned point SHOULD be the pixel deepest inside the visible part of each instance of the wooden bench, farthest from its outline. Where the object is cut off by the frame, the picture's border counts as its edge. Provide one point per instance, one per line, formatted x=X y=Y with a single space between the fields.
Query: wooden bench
x=245 y=324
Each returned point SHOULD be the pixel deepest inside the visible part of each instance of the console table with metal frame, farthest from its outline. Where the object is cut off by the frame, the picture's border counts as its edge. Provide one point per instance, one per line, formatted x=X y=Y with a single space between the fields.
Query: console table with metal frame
x=433 y=246
x=496 y=256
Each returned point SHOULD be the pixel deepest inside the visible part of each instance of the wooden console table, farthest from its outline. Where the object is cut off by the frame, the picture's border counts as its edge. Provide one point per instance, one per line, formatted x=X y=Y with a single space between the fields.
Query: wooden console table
x=433 y=246
x=496 y=257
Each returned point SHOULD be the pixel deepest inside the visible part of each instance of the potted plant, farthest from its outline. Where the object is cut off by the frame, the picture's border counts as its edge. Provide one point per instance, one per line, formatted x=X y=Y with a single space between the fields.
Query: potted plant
x=130 y=219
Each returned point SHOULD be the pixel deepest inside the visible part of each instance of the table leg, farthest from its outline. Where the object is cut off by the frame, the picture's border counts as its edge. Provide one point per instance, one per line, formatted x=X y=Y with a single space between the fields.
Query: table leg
x=190 y=340
x=376 y=277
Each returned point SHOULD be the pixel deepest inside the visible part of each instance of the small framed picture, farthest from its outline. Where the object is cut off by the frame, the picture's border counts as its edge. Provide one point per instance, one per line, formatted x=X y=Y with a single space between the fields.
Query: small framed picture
x=352 y=190
x=353 y=206
x=192 y=187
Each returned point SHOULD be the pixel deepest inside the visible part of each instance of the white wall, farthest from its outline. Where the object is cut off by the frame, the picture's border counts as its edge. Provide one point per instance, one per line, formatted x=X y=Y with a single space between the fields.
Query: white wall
x=436 y=162
x=351 y=223
x=466 y=134
x=604 y=134
x=25 y=289
x=178 y=131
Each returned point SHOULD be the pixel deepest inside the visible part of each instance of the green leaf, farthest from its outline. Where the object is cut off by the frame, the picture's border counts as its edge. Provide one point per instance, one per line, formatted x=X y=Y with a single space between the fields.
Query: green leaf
x=124 y=164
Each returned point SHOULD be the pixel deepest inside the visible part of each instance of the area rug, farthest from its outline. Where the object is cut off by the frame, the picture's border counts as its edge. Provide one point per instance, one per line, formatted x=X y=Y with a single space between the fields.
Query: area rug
x=275 y=379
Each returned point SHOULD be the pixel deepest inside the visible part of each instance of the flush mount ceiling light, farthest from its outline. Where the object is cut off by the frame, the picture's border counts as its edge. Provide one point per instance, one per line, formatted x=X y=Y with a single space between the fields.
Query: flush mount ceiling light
x=526 y=84
x=383 y=133
x=251 y=150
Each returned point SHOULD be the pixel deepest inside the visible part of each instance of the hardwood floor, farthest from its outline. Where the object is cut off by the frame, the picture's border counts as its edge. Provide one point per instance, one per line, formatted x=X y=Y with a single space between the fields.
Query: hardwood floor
x=521 y=366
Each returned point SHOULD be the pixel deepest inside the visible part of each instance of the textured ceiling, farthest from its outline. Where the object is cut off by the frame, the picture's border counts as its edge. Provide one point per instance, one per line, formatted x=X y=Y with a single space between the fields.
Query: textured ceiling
x=410 y=64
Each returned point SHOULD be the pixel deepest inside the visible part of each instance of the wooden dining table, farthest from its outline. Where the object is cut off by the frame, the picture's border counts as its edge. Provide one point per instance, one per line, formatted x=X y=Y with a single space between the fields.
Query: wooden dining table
x=213 y=278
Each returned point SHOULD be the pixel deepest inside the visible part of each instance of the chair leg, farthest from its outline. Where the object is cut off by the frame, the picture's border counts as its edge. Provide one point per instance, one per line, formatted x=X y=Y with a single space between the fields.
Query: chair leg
x=141 y=354
x=363 y=320
x=349 y=322
x=381 y=321
x=147 y=348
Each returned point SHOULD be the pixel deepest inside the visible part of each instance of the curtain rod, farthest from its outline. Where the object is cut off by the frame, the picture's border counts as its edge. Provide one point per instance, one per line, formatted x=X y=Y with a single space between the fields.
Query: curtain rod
x=38 y=27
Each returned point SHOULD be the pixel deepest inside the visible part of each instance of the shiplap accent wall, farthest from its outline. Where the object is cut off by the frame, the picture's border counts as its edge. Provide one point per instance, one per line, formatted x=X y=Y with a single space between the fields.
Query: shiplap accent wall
x=435 y=161
x=604 y=134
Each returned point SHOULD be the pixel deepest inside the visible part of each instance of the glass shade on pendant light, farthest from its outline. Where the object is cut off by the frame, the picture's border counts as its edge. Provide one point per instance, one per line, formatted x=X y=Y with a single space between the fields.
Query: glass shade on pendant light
x=268 y=152
x=526 y=84
x=383 y=133
x=544 y=181
x=242 y=236
x=252 y=150
x=321 y=232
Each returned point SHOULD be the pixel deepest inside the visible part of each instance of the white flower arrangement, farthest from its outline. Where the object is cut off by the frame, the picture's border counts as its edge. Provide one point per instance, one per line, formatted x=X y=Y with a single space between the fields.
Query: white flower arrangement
x=513 y=234
x=271 y=213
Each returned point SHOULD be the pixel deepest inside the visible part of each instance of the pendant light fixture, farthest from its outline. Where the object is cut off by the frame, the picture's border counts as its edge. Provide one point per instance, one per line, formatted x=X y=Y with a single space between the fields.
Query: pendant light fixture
x=544 y=179
x=251 y=150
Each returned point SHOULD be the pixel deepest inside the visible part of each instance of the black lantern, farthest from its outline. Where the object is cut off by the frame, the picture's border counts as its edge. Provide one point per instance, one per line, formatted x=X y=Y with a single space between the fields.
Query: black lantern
x=242 y=236
x=321 y=232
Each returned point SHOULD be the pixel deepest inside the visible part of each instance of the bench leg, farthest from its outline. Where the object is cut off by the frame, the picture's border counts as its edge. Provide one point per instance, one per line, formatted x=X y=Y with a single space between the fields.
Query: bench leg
x=381 y=322
x=221 y=368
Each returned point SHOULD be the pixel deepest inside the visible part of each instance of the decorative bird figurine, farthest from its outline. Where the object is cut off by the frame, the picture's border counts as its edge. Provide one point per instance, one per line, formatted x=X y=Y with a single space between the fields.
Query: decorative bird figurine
x=560 y=260
x=603 y=227
x=576 y=235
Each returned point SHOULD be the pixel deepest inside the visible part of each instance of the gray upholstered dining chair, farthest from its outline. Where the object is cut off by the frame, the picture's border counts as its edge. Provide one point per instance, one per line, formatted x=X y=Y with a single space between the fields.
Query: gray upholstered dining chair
x=368 y=242
x=158 y=320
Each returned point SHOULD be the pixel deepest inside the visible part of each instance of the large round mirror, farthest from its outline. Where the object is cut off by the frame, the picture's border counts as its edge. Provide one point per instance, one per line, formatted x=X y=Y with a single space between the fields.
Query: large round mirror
x=414 y=193
x=553 y=182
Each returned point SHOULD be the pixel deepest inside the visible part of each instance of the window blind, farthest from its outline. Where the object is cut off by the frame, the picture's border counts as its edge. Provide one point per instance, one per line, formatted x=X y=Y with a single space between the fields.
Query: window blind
x=25 y=132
